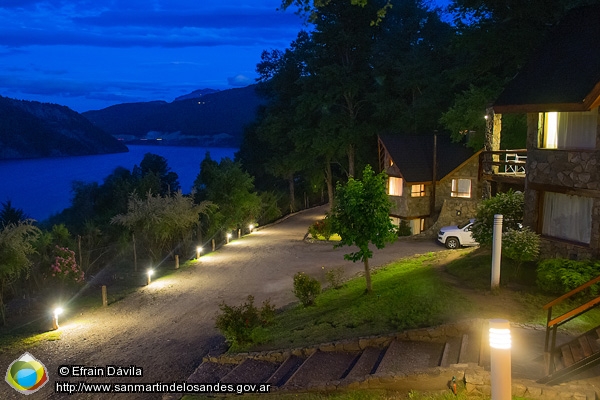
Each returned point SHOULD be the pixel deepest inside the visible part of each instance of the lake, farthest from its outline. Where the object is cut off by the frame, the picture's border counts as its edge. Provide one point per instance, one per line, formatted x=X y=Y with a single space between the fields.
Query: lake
x=41 y=187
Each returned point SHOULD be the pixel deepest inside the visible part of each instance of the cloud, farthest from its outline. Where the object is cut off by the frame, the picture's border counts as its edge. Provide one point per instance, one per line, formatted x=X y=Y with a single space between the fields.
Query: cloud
x=239 y=80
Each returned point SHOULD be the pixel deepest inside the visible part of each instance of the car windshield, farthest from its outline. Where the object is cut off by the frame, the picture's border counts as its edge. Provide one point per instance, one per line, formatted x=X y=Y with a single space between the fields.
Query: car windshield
x=460 y=226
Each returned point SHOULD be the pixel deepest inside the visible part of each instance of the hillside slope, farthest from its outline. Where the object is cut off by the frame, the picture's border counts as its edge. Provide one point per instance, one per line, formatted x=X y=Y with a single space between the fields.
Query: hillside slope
x=213 y=119
x=29 y=129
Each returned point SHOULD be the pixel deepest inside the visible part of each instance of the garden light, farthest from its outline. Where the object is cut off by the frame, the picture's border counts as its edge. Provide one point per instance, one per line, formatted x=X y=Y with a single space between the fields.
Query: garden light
x=251 y=226
x=500 y=345
x=55 y=314
x=228 y=237
x=150 y=272
x=198 y=252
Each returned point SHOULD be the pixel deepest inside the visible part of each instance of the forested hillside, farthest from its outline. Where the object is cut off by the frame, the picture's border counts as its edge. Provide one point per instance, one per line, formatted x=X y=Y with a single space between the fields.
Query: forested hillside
x=211 y=119
x=29 y=129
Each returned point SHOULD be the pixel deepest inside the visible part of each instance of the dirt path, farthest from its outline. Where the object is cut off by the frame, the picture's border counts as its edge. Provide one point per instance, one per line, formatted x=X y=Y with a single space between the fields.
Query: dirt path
x=166 y=328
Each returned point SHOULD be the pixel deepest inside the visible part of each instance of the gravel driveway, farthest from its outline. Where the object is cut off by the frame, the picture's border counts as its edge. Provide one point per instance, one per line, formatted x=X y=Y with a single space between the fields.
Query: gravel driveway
x=166 y=328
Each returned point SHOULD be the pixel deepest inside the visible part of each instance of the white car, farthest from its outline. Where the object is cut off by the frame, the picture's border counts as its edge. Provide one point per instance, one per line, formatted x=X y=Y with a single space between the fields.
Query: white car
x=457 y=235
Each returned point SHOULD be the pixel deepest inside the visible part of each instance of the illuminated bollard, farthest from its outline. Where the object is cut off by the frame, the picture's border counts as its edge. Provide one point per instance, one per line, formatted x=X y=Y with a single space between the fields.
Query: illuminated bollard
x=149 y=275
x=496 y=250
x=198 y=252
x=228 y=238
x=104 y=296
x=55 y=314
x=500 y=347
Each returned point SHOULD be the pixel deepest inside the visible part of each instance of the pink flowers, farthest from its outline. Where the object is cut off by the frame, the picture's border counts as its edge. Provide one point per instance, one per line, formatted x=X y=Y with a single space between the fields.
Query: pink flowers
x=65 y=267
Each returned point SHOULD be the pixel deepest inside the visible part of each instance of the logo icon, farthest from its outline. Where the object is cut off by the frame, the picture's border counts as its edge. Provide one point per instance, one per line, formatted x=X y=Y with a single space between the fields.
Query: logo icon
x=26 y=374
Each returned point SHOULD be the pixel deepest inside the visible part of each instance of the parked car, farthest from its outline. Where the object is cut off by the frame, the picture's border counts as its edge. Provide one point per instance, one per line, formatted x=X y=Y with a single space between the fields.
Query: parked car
x=457 y=235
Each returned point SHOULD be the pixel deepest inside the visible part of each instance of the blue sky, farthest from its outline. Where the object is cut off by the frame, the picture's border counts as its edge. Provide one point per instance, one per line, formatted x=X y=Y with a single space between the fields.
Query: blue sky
x=90 y=54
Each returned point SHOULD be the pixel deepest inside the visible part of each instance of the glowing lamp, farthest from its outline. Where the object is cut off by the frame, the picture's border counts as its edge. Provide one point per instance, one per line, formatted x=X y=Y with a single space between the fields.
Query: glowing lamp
x=150 y=273
x=55 y=314
x=251 y=226
x=500 y=347
x=198 y=252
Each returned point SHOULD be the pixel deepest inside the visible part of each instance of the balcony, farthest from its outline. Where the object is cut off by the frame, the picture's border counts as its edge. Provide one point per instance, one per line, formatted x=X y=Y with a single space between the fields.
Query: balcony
x=504 y=166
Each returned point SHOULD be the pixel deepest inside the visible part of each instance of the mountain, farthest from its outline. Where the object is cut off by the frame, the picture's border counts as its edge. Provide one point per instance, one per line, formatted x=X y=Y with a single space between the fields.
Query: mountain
x=216 y=118
x=29 y=129
x=196 y=94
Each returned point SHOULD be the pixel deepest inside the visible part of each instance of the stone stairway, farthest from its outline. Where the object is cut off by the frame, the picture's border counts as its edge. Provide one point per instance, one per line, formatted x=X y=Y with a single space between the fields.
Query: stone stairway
x=349 y=363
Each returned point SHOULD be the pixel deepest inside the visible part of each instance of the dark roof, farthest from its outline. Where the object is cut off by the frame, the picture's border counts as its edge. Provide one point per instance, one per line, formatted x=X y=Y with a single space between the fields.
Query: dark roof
x=564 y=74
x=413 y=155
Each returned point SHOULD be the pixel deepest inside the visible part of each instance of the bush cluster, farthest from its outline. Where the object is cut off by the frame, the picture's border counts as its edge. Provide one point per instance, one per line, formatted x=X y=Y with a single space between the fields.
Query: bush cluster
x=335 y=277
x=404 y=228
x=306 y=288
x=321 y=228
x=236 y=323
x=559 y=276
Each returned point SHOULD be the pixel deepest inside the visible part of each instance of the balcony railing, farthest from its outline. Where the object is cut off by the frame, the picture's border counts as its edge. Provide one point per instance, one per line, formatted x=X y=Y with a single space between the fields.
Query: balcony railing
x=507 y=163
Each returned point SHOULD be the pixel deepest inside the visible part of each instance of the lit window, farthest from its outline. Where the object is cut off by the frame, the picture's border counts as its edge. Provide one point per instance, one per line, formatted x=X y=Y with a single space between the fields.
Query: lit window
x=570 y=130
x=461 y=188
x=395 y=186
x=417 y=191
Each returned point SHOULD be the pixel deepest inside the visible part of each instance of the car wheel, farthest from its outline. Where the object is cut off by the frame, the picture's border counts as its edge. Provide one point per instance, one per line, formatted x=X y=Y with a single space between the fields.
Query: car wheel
x=452 y=243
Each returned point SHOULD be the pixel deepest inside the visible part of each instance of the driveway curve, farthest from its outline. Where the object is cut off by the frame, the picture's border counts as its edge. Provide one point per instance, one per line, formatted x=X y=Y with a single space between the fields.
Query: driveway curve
x=167 y=327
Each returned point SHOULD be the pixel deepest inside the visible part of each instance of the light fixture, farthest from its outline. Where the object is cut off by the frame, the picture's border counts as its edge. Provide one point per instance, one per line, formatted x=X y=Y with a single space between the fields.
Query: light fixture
x=57 y=311
x=149 y=274
x=228 y=237
x=198 y=252
x=500 y=347
x=251 y=226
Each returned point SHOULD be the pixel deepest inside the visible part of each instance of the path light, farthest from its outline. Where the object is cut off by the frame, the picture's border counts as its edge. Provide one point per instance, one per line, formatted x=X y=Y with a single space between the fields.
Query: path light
x=251 y=226
x=198 y=252
x=57 y=311
x=149 y=273
x=228 y=237
x=500 y=345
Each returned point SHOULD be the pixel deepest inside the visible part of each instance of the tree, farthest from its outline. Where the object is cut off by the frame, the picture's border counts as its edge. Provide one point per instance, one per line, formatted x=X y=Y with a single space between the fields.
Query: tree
x=162 y=222
x=360 y=215
x=16 y=245
x=157 y=165
x=231 y=189
x=11 y=215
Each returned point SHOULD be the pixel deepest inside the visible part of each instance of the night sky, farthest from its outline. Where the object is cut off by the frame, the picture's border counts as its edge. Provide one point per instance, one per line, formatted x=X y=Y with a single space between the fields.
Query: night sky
x=90 y=54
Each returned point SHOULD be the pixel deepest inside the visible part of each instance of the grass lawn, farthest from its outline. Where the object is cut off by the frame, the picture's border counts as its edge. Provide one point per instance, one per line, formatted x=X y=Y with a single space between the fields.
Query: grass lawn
x=406 y=294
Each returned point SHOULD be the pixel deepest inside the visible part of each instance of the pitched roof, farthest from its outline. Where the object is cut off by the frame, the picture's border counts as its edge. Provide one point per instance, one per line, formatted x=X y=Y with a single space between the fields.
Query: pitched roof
x=413 y=155
x=564 y=74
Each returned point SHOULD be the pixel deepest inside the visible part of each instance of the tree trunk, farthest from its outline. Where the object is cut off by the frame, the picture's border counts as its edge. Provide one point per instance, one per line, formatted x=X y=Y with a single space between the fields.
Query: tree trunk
x=292 y=192
x=351 y=156
x=368 y=275
x=329 y=181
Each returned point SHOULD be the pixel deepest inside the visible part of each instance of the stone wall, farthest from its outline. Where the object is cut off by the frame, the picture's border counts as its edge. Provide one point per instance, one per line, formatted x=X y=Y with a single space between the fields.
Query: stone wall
x=468 y=171
x=575 y=169
x=406 y=206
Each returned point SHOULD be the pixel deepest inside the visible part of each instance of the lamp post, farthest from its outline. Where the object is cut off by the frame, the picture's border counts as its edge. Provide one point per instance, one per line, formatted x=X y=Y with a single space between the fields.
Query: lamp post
x=500 y=345
x=496 y=251
x=149 y=275
x=57 y=311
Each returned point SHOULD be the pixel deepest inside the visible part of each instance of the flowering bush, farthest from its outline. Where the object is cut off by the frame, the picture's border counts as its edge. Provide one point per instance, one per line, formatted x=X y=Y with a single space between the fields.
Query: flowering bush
x=321 y=228
x=65 y=267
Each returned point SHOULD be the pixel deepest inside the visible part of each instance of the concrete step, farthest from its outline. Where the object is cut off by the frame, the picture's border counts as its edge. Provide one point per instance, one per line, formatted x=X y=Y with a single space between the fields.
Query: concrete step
x=323 y=367
x=251 y=371
x=451 y=352
x=471 y=349
x=408 y=356
x=285 y=371
x=367 y=362
x=209 y=372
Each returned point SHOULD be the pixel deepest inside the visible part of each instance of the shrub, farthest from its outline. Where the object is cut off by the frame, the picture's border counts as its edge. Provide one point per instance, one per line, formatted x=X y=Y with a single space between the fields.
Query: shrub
x=335 y=277
x=521 y=245
x=306 y=288
x=404 y=228
x=509 y=204
x=321 y=228
x=65 y=267
x=236 y=323
x=559 y=276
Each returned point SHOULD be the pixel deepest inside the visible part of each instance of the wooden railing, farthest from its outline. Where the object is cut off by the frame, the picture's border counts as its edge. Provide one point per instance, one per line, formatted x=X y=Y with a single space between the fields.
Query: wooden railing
x=552 y=324
x=503 y=162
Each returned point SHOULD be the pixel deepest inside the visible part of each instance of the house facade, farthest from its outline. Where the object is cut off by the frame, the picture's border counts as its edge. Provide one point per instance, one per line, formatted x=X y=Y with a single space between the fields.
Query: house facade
x=559 y=90
x=413 y=163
